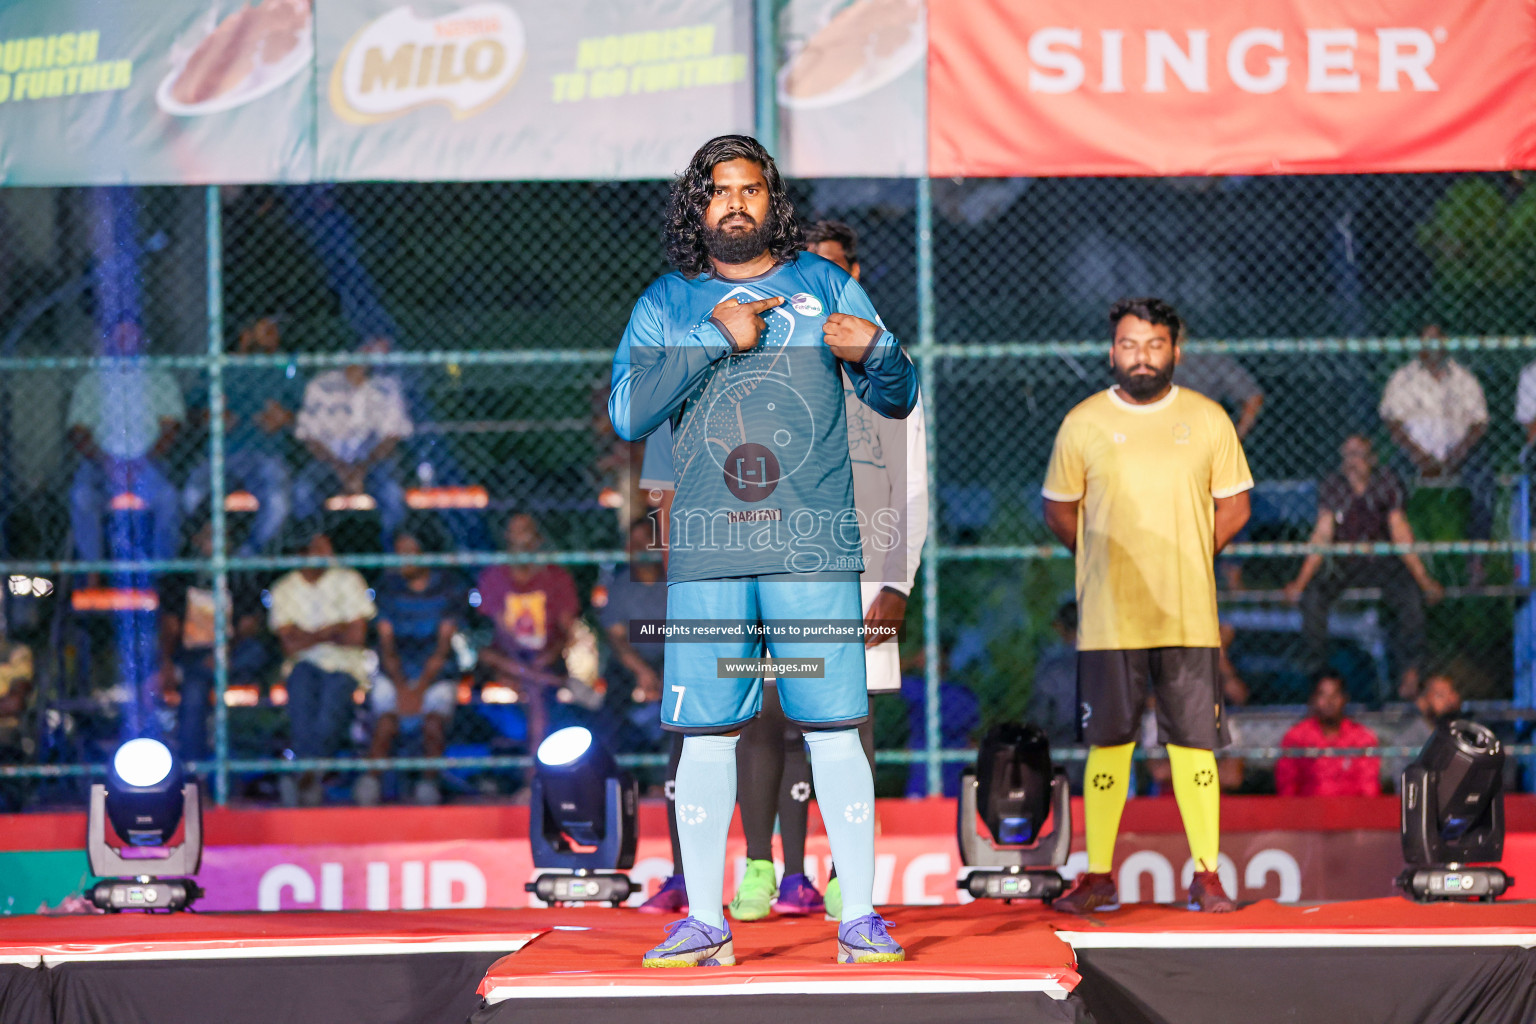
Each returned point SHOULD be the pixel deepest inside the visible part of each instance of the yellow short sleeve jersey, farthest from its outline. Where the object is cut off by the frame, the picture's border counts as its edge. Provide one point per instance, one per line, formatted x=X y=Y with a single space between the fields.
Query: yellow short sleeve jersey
x=1147 y=476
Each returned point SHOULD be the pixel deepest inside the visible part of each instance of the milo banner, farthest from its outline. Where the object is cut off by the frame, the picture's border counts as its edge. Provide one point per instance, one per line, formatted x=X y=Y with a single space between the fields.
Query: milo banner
x=438 y=89
x=149 y=91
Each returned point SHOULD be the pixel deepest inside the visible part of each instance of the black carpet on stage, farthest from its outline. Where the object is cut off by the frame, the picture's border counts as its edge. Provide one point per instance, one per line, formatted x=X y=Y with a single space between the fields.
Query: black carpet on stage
x=1454 y=985
x=980 y=1008
x=418 y=988
x=24 y=997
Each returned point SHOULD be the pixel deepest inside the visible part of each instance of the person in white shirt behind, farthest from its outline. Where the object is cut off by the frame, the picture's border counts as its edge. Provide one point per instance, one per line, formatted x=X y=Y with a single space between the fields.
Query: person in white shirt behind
x=1437 y=414
x=890 y=486
x=321 y=616
x=351 y=422
x=1525 y=403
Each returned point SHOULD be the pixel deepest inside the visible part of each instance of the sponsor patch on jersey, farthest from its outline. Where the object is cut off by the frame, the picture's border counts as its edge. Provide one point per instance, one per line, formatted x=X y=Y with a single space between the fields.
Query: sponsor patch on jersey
x=757 y=515
x=805 y=304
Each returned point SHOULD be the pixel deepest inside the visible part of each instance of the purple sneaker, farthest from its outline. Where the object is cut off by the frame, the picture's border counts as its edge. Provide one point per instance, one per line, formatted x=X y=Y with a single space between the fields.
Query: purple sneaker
x=867 y=941
x=798 y=897
x=692 y=943
x=671 y=898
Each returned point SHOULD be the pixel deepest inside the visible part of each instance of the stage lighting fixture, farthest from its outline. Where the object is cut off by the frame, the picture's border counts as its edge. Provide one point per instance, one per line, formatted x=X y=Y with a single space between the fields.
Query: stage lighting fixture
x=145 y=798
x=1025 y=804
x=581 y=798
x=1453 y=816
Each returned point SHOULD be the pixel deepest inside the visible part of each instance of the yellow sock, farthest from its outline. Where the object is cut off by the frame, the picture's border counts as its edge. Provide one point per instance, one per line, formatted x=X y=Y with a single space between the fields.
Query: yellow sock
x=1196 y=788
x=1105 y=783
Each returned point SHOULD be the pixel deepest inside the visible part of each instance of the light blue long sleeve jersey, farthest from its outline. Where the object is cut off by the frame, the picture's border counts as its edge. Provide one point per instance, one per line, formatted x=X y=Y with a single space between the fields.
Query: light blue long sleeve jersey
x=759 y=439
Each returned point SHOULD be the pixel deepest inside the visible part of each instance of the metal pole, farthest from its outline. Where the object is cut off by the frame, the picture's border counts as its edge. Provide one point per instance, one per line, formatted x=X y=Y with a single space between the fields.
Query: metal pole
x=212 y=216
x=926 y=371
x=765 y=62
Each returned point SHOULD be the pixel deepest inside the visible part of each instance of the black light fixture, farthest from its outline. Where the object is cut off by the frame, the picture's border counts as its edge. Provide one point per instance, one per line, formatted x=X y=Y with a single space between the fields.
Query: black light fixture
x=145 y=798
x=1025 y=804
x=1453 y=816
x=581 y=798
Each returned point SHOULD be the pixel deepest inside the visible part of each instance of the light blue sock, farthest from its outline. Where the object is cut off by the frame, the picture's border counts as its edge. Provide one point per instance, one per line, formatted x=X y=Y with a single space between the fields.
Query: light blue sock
x=845 y=792
x=705 y=796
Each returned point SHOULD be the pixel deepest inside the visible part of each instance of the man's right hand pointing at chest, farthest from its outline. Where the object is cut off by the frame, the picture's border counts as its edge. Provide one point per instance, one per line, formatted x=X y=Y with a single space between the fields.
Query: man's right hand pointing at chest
x=741 y=320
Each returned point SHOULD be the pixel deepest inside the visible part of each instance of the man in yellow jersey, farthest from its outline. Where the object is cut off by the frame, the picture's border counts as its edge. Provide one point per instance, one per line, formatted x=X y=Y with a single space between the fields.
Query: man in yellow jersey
x=1147 y=482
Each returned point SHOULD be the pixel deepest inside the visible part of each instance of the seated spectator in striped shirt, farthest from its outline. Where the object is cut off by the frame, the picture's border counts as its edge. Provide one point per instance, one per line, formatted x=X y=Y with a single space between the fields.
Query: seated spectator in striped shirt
x=351 y=421
x=1326 y=726
x=415 y=693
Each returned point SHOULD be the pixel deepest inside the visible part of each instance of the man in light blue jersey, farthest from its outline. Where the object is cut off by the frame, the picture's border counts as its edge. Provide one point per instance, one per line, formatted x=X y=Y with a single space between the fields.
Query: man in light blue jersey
x=739 y=352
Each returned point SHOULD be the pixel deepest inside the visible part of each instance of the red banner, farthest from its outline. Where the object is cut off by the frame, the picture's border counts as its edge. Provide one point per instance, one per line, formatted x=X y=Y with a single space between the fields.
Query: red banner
x=375 y=859
x=1164 y=87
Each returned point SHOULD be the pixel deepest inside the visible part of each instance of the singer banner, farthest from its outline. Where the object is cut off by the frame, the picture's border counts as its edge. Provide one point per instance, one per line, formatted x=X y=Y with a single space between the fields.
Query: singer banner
x=1168 y=87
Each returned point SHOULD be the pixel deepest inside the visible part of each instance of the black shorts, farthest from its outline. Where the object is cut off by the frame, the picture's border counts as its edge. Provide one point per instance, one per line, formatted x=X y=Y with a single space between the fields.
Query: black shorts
x=1112 y=691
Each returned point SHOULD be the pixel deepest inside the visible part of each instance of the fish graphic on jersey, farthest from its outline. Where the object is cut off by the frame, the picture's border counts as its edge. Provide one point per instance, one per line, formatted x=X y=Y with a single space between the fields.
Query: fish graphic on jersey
x=752 y=423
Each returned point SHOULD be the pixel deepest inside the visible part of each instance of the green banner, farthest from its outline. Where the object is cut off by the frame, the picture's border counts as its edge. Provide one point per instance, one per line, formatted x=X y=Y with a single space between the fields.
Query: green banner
x=155 y=91
x=35 y=881
x=228 y=91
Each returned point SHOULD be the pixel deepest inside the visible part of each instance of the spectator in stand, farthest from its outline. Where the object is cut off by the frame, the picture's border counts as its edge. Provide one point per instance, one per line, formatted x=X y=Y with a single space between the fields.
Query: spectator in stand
x=1361 y=503
x=1053 y=699
x=415 y=692
x=187 y=639
x=959 y=718
x=638 y=592
x=1222 y=379
x=123 y=419
x=1326 y=726
x=351 y=422
x=1525 y=403
x=15 y=694
x=1439 y=701
x=259 y=404
x=321 y=616
x=533 y=607
x=1437 y=414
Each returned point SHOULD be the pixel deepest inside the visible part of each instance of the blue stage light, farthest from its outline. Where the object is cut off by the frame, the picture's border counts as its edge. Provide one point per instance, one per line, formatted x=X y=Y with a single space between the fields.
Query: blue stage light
x=564 y=747
x=144 y=799
x=580 y=797
x=142 y=762
x=1453 y=816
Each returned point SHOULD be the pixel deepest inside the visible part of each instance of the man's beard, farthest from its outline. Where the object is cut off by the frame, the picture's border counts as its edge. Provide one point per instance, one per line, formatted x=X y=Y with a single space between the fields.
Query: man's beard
x=1143 y=386
x=733 y=247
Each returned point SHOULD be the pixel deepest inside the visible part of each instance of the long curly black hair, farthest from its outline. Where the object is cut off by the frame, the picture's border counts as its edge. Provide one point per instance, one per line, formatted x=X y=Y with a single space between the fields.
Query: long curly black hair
x=691 y=194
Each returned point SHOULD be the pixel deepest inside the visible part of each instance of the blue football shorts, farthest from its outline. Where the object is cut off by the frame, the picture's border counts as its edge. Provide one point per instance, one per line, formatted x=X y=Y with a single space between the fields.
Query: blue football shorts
x=700 y=697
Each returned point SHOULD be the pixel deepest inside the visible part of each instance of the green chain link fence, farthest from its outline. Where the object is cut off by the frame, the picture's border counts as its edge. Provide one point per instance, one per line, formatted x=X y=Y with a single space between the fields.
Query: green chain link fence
x=494 y=309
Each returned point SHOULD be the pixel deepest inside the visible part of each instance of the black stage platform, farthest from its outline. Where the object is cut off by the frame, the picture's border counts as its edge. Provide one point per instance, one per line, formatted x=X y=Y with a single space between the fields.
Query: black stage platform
x=1385 y=960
